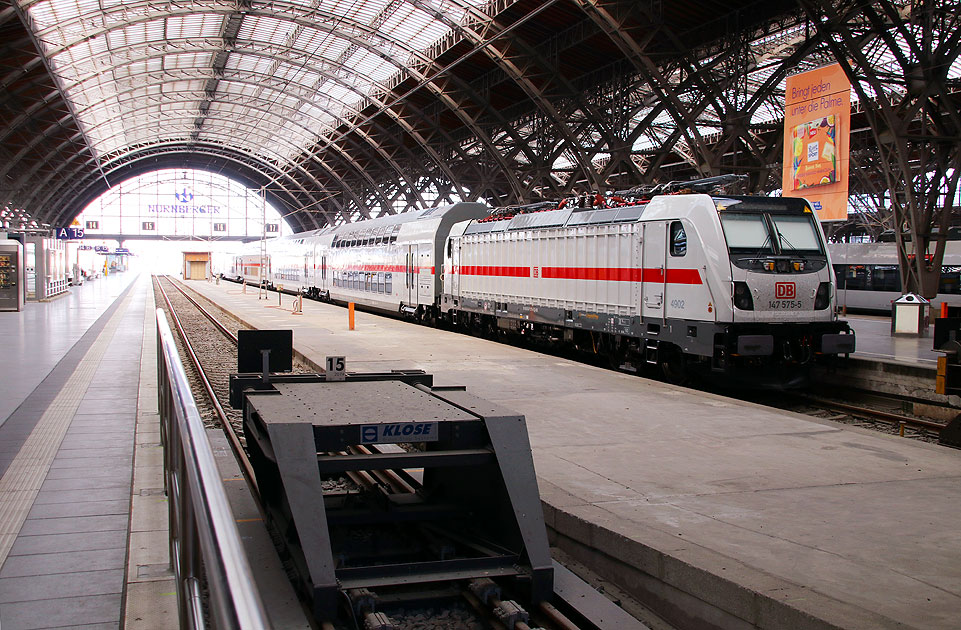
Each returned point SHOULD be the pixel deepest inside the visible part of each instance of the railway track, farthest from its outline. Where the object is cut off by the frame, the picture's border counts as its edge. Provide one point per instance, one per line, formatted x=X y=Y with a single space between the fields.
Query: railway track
x=886 y=413
x=209 y=338
x=212 y=349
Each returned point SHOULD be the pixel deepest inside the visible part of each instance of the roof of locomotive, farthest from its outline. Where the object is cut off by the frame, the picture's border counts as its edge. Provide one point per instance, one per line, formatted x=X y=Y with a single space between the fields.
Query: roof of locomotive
x=568 y=217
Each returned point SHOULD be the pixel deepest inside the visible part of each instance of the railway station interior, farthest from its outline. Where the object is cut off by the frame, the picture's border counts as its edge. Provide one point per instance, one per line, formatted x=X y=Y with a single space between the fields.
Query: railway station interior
x=601 y=314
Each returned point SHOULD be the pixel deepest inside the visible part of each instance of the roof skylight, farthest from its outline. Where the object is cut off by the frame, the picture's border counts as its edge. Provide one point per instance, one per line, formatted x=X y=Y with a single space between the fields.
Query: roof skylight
x=293 y=70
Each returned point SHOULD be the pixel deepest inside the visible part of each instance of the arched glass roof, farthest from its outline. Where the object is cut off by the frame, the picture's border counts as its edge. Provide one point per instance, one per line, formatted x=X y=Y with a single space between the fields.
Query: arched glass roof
x=267 y=78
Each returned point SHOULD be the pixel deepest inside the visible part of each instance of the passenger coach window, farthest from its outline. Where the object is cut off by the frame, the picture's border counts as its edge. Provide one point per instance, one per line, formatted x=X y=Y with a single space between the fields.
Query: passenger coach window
x=885 y=278
x=868 y=277
x=950 y=280
x=678 y=239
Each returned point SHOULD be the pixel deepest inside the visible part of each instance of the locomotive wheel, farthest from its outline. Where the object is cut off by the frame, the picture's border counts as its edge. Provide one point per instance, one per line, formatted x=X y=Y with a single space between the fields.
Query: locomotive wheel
x=673 y=365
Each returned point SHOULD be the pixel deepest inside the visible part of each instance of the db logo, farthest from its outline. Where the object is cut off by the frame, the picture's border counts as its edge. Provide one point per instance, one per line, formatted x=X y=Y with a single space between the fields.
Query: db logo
x=784 y=291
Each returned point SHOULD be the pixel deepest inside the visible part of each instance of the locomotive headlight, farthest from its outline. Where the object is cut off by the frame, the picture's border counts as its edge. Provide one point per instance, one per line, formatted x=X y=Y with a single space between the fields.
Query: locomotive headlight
x=823 y=298
x=742 y=296
x=798 y=265
x=768 y=265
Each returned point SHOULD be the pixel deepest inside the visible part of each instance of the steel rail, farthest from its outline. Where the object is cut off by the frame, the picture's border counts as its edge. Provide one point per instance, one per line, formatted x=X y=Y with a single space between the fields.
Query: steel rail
x=205 y=541
x=232 y=437
x=884 y=416
x=203 y=310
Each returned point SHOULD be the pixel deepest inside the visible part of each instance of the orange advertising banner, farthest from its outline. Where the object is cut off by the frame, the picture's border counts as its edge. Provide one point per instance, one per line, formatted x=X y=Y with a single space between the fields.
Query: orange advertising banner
x=817 y=126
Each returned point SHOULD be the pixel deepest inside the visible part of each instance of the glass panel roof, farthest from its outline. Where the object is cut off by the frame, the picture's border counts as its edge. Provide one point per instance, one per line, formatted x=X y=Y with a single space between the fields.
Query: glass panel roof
x=268 y=79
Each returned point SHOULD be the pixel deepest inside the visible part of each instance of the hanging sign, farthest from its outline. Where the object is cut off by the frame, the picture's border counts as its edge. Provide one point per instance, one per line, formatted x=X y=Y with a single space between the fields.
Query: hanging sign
x=184 y=205
x=70 y=233
x=817 y=126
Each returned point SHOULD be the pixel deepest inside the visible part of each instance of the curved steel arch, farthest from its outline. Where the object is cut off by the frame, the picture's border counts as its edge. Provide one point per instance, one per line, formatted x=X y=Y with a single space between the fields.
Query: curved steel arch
x=346 y=107
x=337 y=31
x=89 y=161
x=480 y=150
x=536 y=94
x=236 y=156
x=305 y=19
x=36 y=140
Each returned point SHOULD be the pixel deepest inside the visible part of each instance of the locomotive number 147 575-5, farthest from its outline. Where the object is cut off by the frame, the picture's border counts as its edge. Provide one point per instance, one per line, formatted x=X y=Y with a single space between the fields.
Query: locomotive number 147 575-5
x=785 y=305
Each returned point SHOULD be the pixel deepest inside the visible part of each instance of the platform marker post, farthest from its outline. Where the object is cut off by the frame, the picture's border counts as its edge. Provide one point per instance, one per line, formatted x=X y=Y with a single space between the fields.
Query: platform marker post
x=350 y=316
x=244 y=285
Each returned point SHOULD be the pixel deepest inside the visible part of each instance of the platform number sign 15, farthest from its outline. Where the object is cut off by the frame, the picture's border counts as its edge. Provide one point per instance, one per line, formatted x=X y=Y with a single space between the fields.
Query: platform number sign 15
x=335 y=368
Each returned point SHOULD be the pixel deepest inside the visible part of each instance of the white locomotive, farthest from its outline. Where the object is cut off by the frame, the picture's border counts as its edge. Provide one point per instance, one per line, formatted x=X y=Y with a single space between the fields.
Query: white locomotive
x=684 y=281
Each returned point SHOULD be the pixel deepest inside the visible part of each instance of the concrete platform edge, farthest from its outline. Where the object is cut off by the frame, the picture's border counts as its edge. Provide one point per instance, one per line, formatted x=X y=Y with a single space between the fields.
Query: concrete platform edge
x=693 y=587
x=150 y=597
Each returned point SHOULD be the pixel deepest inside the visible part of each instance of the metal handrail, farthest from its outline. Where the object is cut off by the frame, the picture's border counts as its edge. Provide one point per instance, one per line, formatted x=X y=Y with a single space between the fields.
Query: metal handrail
x=204 y=541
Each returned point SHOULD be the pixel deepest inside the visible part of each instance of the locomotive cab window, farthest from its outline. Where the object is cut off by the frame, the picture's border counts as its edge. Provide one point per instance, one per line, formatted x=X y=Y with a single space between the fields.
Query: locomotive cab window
x=678 y=239
x=746 y=232
x=796 y=234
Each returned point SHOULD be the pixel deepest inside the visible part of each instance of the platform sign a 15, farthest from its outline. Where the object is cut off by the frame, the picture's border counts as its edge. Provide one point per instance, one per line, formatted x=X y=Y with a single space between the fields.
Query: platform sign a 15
x=70 y=233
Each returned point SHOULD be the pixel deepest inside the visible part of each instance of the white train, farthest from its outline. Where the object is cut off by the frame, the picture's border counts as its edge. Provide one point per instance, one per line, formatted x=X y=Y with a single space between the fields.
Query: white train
x=684 y=281
x=869 y=278
x=391 y=264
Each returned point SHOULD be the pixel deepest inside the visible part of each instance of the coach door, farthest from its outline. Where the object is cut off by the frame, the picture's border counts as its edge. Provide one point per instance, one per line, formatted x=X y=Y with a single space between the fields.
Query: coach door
x=410 y=276
x=322 y=273
x=653 y=278
x=452 y=270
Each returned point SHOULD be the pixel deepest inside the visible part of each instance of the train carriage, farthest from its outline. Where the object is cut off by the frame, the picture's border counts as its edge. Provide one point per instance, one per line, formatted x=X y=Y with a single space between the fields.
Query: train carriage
x=869 y=276
x=389 y=263
x=247 y=266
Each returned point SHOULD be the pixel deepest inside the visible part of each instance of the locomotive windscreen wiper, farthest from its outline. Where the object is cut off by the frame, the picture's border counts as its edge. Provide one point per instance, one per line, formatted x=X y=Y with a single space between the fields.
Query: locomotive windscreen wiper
x=760 y=250
x=783 y=240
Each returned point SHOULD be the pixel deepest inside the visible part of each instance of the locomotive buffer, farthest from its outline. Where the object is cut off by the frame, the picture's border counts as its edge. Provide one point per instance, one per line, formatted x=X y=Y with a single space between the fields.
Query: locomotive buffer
x=474 y=514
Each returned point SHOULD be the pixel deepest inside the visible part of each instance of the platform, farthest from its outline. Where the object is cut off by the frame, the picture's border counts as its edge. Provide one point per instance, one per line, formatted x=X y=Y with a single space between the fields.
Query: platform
x=83 y=520
x=38 y=337
x=875 y=343
x=711 y=509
